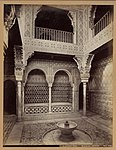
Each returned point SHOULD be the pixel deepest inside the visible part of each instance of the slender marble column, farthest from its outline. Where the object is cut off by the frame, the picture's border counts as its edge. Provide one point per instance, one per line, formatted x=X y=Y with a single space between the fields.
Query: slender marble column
x=84 y=98
x=73 y=97
x=23 y=99
x=19 y=100
x=50 y=97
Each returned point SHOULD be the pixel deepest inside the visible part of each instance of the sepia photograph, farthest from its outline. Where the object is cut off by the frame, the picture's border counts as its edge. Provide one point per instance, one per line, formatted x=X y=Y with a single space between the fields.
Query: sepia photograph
x=57 y=78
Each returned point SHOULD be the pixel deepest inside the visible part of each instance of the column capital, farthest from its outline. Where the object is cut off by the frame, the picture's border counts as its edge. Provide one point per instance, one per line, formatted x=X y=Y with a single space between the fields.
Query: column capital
x=84 y=65
x=19 y=65
x=18 y=82
x=49 y=84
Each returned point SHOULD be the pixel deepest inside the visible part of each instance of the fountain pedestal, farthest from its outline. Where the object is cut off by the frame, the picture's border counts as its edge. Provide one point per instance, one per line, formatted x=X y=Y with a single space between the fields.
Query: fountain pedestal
x=66 y=129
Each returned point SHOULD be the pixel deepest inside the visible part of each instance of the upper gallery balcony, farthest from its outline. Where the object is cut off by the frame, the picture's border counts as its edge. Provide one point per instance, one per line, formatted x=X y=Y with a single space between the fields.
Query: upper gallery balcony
x=102 y=32
x=53 y=35
x=58 y=36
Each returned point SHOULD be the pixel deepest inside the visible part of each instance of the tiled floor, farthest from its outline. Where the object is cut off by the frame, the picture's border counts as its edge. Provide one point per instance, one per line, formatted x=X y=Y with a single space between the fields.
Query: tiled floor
x=8 y=123
x=32 y=132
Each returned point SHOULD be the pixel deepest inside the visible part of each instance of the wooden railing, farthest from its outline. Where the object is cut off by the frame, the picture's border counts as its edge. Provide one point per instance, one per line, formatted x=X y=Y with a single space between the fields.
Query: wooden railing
x=53 y=35
x=102 y=23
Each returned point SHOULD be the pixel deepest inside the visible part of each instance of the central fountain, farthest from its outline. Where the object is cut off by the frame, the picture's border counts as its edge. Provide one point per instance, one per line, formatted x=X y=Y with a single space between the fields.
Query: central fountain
x=66 y=129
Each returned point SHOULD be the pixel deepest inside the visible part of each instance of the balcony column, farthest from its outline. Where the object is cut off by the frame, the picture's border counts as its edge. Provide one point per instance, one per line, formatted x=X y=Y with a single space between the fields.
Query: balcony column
x=91 y=21
x=72 y=17
x=50 y=97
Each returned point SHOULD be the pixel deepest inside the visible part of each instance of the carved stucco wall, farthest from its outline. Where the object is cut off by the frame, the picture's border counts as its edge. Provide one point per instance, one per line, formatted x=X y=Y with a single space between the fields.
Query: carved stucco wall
x=50 y=67
x=100 y=88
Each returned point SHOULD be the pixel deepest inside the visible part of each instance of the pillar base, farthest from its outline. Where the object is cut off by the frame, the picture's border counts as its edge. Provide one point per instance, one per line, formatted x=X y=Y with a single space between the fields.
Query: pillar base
x=19 y=119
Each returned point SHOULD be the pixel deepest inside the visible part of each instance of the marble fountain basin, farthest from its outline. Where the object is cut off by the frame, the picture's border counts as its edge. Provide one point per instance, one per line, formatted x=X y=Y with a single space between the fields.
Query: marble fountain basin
x=66 y=128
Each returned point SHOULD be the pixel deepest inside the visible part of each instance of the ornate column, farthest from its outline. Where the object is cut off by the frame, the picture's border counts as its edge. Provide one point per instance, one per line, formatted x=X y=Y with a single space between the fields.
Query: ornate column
x=50 y=97
x=73 y=97
x=19 y=75
x=84 y=66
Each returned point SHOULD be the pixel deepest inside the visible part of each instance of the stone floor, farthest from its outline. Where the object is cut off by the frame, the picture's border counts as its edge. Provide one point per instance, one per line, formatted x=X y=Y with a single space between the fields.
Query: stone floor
x=28 y=133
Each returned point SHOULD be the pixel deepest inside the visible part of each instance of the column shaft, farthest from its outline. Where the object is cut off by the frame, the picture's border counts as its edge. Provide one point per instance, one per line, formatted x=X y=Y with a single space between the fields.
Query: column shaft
x=23 y=99
x=50 y=98
x=84 y=98
x=19 y=100
x=73 y=97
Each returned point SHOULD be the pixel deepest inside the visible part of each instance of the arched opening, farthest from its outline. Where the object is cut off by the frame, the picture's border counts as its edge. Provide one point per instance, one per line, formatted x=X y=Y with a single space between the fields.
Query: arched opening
x=36 y=92
x=53 y=24
x=9 y=97
x=61 y=93
x=81 y=96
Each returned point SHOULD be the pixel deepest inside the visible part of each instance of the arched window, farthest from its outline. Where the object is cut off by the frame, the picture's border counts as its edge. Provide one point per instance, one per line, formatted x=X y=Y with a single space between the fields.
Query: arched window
x=53 y=24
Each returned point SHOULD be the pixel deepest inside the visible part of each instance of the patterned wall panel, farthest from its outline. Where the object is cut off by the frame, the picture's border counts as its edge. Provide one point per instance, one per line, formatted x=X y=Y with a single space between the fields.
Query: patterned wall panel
x=85 y=24
x=28 y=21
x=100 y=88
x=80 y=29
x=35 y=109
x=61 y=108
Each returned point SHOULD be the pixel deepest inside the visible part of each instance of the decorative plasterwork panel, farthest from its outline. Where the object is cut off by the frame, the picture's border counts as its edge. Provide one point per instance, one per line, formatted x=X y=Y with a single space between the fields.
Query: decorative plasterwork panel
x=85 y=25
x=28 y=21
x=31 y=45
x=80 y=30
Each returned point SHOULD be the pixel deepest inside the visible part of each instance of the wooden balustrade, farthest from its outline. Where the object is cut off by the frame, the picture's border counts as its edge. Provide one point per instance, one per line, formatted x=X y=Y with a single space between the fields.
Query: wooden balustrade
x=102 y=23
x=53 y=35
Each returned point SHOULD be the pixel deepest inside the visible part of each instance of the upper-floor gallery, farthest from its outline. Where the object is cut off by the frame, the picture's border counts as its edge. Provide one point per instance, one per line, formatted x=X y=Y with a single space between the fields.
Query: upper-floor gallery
x=50 y=28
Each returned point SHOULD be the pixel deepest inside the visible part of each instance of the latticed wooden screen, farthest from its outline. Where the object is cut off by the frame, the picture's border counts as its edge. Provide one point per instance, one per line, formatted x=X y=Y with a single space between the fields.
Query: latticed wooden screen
x=36 y=93
x=61 y=90
x=36 y=89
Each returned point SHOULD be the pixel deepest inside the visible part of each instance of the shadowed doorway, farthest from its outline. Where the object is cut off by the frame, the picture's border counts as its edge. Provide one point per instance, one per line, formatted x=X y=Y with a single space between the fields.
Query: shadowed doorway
x=81 y=96
x=9 y=97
